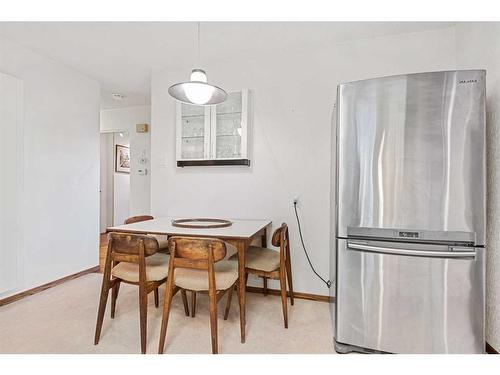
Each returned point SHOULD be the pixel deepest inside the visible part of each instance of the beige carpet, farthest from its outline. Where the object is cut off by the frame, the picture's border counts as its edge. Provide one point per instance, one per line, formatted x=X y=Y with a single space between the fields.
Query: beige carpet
x=62 y=320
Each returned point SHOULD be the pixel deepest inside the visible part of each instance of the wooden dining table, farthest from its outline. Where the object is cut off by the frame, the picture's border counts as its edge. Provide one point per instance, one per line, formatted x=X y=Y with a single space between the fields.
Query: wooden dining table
x=241 y=233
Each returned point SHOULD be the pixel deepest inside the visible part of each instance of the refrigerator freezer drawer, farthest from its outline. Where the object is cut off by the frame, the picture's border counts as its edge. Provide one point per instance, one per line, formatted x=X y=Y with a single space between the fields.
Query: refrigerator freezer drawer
x=398 y=299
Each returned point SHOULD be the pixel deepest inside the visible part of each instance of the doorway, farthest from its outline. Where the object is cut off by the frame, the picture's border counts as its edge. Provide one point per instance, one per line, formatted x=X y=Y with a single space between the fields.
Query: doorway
x=114 y=178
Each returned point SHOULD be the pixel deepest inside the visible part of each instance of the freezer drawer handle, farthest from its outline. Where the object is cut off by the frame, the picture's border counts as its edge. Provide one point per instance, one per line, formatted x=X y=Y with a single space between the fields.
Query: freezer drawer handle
x=420 y=253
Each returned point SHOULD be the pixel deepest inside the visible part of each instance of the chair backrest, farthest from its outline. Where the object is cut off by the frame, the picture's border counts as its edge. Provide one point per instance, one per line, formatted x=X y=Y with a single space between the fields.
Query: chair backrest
x=125 y=247
x=136 y=219
x=280 y=239
x=280 y=236
x=199 y=253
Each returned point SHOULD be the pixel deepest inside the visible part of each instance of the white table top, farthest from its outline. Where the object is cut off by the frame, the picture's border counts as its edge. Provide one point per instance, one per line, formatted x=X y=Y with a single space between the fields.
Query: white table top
x=245 y=229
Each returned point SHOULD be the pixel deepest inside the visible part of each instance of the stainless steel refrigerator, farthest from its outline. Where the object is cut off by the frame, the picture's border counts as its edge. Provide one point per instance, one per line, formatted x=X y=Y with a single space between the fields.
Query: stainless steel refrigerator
x=410 y=205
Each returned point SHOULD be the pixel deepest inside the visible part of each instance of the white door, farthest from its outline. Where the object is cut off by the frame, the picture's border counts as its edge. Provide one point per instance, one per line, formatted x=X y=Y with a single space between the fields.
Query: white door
x=106 y=208
x=11 y=170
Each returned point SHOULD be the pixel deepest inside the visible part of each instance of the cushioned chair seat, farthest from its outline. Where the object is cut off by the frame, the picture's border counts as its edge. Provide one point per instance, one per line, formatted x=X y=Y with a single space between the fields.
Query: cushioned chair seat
x=156 y=269
x=226 y=273
x=162 y=240
x=261 y=258
x=230 y=250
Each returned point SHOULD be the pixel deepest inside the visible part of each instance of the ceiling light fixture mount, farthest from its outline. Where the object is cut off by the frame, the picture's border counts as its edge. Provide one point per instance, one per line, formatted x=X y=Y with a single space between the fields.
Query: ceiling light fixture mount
x=197 y=91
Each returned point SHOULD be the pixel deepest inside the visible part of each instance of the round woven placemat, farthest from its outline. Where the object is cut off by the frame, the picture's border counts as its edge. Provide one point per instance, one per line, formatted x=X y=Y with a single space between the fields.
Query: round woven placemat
x=210 y=223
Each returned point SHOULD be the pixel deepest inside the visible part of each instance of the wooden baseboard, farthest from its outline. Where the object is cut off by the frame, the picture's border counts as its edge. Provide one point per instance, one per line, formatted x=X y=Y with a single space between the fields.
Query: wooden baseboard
x=308 y=296
x=29 y=292
x=490 y=349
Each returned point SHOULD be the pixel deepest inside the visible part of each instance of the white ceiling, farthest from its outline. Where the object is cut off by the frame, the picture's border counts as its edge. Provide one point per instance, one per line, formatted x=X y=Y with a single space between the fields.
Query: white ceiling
x=121 y=55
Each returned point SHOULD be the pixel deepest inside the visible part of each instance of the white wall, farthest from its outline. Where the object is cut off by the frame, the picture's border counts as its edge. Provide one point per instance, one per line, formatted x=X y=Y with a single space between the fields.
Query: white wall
x=294 y=93
x=60 y=167
x=11 y=180
x=126 y=119
x=478 y=46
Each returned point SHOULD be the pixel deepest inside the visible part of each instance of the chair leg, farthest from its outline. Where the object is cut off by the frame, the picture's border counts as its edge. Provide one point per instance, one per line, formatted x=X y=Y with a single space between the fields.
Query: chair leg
x=106 y=279
x=228 y=303
x=167 y=302
x=264 y=281
x=241 y=305
x=283 y=295
x=114 y=296
x=288 y=266
x=157 y=298
x=193 y=304
x=185 y=302
x=213 y=319
x=143 y=315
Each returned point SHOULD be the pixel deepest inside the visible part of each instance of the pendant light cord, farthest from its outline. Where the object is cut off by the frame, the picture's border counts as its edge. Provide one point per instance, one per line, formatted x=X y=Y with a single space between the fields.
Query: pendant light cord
x=199 y=48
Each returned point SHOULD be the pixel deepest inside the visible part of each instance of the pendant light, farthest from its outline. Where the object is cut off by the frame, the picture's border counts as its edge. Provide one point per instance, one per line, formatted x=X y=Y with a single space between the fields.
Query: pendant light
x=197 y=91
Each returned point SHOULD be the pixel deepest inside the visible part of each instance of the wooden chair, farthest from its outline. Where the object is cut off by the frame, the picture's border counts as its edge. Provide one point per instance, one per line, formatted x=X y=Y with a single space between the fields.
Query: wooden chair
x=137 y=219
x=230 y=251
x=271 y=264
x=162 y=239
x=197 y=264
x=133 y=259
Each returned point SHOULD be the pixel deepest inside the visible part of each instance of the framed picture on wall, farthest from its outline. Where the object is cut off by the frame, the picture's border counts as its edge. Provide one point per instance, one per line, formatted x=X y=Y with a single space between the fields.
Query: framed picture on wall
x=122 y=159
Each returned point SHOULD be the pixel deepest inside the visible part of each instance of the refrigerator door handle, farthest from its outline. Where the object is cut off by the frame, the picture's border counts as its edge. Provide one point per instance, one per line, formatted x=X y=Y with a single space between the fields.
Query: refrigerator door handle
x=408 y=252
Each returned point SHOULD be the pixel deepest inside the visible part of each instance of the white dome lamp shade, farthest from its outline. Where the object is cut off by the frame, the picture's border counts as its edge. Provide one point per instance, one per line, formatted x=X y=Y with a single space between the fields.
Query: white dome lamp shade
x=197 y=91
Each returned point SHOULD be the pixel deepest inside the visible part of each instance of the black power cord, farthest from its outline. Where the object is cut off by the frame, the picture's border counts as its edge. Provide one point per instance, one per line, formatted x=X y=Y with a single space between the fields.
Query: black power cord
x=329 y=282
